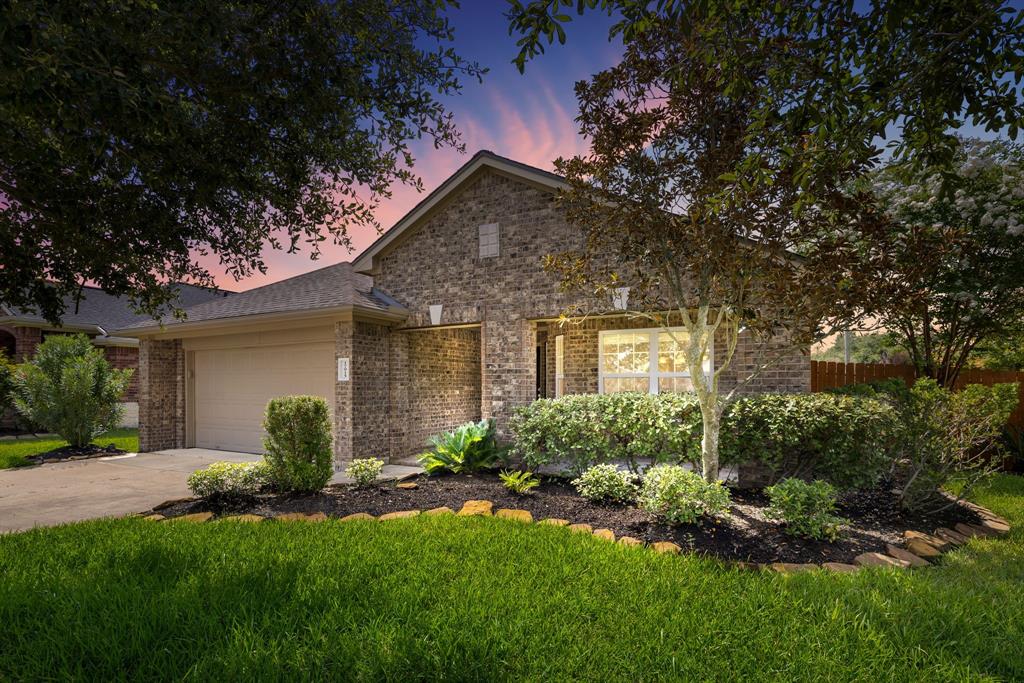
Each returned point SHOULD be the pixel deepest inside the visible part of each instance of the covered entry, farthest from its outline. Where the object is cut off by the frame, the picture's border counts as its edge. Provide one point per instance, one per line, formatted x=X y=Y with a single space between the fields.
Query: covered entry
x=230 y=388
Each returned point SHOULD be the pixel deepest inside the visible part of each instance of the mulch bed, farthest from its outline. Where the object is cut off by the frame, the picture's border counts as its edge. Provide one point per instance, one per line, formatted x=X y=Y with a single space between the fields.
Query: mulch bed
x=72 y=453
x=746 y=535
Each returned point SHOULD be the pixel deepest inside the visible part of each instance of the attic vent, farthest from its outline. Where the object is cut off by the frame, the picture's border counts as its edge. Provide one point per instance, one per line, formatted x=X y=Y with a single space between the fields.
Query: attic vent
x=488 y=240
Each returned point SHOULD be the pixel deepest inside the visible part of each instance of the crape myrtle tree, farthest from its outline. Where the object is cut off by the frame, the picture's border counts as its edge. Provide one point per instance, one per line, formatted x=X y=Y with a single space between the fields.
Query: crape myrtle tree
x=803 y=94
x=139 y=140
x=958 y=246
x=764 y=262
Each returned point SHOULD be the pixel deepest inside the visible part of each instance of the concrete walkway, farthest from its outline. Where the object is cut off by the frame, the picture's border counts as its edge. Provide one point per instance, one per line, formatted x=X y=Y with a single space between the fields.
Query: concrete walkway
x=111 y=487
x=104 y=487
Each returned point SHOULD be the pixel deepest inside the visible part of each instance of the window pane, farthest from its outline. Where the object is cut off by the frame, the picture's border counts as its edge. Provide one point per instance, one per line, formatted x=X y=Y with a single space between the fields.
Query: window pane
x=613 y=385
x=679 y=385
x=625 y=352
x=670 y=354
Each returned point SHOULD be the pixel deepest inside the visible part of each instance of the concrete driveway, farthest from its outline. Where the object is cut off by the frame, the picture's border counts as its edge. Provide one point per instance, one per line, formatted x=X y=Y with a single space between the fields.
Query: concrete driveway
x=106 y=487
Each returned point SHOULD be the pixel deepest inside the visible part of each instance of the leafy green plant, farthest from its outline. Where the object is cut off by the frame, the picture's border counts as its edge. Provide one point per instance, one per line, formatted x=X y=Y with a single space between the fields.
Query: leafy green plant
x=230 y=479
x=6 y=383
x=468 y=448
x=70 y=389
x=606 y=482
x=298 y=442
x=679 y=496
x=364 y=471
x=806 y=509
x=519 y=481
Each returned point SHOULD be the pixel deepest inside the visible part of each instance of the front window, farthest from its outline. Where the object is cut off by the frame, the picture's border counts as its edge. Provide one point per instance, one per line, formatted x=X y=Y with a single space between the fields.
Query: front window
x=644 y=360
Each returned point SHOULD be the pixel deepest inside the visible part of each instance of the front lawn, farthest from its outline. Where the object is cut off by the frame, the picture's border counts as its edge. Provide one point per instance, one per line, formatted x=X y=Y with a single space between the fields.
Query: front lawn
x=486 y=599
x=13 y=452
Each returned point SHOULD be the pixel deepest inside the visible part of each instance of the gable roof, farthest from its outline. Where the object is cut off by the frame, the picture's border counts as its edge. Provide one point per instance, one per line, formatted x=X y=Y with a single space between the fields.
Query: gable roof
x=103 y=313
x=331 y=288
x=482 y=159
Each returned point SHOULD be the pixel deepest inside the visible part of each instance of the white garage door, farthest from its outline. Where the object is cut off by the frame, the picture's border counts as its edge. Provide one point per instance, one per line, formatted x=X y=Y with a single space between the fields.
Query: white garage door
x=232 y=387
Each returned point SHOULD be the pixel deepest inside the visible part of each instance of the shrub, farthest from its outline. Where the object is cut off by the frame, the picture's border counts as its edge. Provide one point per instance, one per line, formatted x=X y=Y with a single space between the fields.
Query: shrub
x=364 y=470
x=468 y=448
x=679 y=496
x=519 y=481
x=588 y=429
x=298 y=442
x=230 y=479
x=6 y=383
x=605 y=482
x=845 y=440
x=946 y=435
x=70 y=389
x=807 y=509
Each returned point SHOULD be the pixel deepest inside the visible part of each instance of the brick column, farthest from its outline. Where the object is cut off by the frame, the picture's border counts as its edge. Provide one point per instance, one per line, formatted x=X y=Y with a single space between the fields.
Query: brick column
x=26 y=339
x=361 y=412
x=342 y=396
x=398 y=396
x=161 y=394
x=508 y=367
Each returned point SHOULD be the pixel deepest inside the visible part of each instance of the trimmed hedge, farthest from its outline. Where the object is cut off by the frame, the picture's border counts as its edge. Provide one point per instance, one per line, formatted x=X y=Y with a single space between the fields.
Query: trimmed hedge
x=841 y=439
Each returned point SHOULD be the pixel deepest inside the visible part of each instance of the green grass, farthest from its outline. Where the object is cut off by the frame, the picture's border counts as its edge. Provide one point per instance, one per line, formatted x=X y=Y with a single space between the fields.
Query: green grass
x=14 y=451
x=486 y=599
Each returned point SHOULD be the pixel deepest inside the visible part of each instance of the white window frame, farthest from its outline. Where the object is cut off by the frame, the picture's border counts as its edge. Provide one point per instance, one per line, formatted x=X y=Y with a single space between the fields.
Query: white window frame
x=653 y=374
x=489 y=235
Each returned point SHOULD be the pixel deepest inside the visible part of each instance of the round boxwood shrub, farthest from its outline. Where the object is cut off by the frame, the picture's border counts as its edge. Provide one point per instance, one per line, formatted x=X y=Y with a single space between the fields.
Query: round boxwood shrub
x=298 y=442
x=806 y=508
x=605 y=482
x=679 y=496
x=230 y=479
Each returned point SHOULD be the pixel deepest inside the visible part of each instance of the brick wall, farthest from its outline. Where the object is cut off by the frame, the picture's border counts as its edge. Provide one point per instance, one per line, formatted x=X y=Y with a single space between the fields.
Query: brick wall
x=125 y=357
x=161 y=394
x=26 y=339
x=370 y=387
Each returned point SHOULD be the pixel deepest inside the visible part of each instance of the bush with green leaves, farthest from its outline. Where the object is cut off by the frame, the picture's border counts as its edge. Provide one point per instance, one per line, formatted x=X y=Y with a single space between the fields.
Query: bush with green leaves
x=468 y=448
x=605 y=482
x=519 y=481
x=806 y=508
x=6 y=383
x=364 y=471
x=70 y=389
x=679 y=496
x=230 y=479
x=298 y=443
x=845 y=440
x=949 y=435
x=579 y=431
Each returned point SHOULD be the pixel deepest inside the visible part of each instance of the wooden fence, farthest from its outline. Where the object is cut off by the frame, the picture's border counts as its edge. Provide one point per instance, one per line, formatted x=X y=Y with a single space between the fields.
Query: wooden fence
x=828 y=375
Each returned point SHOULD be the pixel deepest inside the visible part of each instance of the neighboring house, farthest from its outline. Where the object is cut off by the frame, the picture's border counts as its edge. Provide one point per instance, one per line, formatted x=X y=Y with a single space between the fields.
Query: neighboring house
x=448 y=317
x=97 y=315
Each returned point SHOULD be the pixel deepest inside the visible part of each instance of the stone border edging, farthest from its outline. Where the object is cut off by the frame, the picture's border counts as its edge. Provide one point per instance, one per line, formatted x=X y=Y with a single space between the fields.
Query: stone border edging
x=921 y=549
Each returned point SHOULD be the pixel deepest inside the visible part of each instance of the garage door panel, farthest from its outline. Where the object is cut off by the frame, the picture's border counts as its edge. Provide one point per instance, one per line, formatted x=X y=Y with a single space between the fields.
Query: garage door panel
x=232 y=388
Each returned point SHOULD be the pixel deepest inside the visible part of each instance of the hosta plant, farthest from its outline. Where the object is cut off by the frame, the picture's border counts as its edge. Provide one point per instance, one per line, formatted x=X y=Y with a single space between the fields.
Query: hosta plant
x=519 y=481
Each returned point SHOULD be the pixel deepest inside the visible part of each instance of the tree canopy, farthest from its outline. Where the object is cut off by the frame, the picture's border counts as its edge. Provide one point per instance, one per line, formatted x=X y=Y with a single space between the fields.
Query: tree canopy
x=136 y=136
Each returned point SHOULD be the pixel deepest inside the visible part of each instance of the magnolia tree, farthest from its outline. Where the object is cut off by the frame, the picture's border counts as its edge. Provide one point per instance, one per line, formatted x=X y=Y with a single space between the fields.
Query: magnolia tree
x=958 y=250
x=662 y=214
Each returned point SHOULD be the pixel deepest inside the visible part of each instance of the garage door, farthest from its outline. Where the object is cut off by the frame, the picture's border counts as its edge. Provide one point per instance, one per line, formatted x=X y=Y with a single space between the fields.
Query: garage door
x=232 y=387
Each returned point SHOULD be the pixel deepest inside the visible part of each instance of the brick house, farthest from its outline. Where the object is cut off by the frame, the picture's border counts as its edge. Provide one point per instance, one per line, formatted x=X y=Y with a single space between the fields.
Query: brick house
x=97 y=315
x=448 y=317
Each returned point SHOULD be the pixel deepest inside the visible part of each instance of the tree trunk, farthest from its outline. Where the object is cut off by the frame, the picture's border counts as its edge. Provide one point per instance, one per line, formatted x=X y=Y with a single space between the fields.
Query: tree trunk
x=711 y=418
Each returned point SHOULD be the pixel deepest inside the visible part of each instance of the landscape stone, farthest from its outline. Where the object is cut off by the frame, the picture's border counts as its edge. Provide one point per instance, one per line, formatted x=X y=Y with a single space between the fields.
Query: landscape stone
x=629 y=540
x=879 y=560
x=905 y=555
x=840 y=567
x=301 y=517
x=154 y=517
x=969 y=530
x=993 y=525
x=950 y=536
x=398 y=515
x=922 y=548
x=357 y=515
x=606 y=534
x=194 y=517
x=476 y=507
x=518 y=515
x=554 y=521
x=169 y=503
x=666 y=547
x=581 y=528
x=933 y=541
x=242 y=518
x=791 y=567
x=443 y=510
x=407 y=485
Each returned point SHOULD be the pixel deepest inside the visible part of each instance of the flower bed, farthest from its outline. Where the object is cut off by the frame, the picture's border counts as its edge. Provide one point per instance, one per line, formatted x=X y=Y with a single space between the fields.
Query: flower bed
x=747 y=534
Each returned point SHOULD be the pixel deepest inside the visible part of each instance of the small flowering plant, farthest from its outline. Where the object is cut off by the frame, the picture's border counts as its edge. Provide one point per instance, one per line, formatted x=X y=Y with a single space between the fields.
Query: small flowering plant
x=364 y=471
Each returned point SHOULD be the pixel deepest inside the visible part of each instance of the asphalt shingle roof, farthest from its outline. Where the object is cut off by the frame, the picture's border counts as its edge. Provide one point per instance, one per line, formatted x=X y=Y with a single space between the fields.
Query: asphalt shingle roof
x=331 y=287
x=100 y=309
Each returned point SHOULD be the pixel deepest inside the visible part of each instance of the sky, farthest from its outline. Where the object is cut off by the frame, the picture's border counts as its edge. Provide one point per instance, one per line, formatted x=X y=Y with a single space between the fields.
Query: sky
x=527 y=117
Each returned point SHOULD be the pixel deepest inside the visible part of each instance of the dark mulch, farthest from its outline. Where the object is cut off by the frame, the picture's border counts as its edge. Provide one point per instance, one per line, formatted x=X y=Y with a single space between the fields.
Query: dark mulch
x=72 y=453
x=745 y=535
